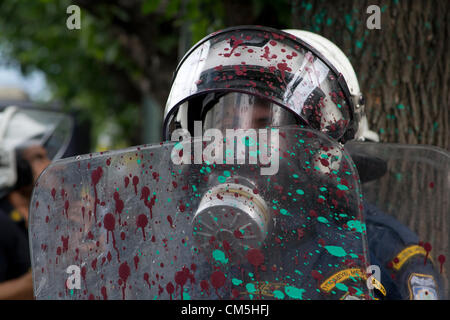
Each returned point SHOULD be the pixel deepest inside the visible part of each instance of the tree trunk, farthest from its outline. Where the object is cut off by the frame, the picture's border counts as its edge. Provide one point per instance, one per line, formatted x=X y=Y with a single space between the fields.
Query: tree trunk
x=403 y=68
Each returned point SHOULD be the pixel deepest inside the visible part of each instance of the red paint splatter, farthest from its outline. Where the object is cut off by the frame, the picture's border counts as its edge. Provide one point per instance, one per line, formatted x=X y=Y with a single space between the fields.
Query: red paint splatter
x=441 y=260
x=145 y=195
x=94 y=264
x=65 y=241
x=170 y=289
x=217 y=281
x=126 y=181
x=204 y=285
x=227 y=248
x=83 y=273
x=351 y=291
x=109 y=223
x=238 y=234
x=427 y=248
x=146 y=278
x=66 y=208
x=136 y=261
x=142 y=222
x=181 y=278
x=283 y=67
x=105 y=296
x=324 y=162
x=135 y=183
x=316 y=275
x=255 y=257
x=95 y=176
x=169 y=219
x=53 y=193
x=236 y=43
x=119 y=204
x=124 y=273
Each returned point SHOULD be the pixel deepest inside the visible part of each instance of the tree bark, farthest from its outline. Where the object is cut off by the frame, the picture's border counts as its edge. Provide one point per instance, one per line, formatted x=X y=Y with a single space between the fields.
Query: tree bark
x=403 y=68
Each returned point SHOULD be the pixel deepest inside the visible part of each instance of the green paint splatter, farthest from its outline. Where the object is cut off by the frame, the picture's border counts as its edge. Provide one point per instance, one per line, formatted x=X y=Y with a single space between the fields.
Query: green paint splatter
x=342 y=187
x=285 y=212
x=336 y=251
x=294 y=292
x=250 y=288
x=219 y=255
x=186 y=296
x=322 y=219
x=221 y=179
x=248 y=141
x=278 y=294
x=300 y=191
x=355 y=224
x=236 y=282
x=342 y=287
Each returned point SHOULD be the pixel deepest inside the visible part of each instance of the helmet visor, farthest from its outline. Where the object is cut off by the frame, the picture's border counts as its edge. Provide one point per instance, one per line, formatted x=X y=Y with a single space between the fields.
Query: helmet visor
x=269 y=64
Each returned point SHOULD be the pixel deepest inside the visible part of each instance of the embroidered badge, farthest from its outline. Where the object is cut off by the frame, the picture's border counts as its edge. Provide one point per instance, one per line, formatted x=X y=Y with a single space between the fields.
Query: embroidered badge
x=422 y=287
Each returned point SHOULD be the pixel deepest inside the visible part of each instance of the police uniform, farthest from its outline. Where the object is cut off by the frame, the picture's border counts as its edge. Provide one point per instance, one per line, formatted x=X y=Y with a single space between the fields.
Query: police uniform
x=406 y=271
x=14 y=249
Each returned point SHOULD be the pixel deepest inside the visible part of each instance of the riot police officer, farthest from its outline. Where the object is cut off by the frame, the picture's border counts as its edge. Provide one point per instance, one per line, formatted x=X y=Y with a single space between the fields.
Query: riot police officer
x=26 y=138
x=221 y=84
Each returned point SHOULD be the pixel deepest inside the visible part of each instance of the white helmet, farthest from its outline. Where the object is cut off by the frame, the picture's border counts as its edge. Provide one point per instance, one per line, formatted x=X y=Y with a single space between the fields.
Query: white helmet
x=340 y=61
x=20 y=127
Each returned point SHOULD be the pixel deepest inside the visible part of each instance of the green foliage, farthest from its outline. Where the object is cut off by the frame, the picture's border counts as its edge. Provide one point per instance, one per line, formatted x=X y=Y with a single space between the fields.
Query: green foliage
x=90 y=69
x=77 y=63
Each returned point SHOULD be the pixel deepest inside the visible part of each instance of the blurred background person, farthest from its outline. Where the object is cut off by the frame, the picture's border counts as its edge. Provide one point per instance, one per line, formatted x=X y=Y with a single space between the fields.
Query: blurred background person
x=29 y=139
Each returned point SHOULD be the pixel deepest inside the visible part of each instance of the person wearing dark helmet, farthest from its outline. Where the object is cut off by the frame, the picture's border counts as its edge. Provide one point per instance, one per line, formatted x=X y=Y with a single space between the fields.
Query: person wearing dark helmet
x=26 y=139
x=254 y=77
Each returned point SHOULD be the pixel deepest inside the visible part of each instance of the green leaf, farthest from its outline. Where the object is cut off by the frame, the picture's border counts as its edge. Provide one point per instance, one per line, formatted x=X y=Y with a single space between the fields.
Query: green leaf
x=149 y=6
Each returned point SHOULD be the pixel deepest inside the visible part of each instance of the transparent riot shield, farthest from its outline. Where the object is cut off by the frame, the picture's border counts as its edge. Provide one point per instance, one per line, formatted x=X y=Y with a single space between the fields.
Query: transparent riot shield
x=162 y=222
x=411 y=184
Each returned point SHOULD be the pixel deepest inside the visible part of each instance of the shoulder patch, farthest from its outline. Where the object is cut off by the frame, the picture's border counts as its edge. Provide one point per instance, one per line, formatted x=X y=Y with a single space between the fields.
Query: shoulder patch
x=422 y=287
x=343 y=275
x=407 y=254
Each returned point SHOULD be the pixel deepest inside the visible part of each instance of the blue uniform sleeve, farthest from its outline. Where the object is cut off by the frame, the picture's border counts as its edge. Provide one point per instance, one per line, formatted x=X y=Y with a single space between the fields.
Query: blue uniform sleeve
x=407 y=270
